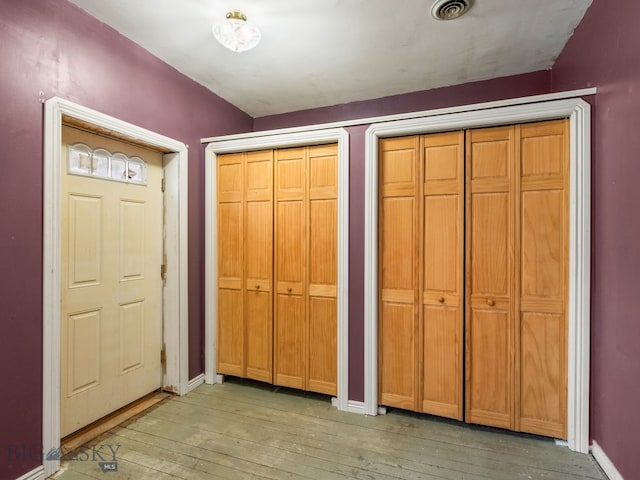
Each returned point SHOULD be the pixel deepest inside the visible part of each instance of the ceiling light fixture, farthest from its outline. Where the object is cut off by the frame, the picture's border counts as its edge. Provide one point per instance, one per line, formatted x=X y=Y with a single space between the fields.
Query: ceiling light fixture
x=235 y=33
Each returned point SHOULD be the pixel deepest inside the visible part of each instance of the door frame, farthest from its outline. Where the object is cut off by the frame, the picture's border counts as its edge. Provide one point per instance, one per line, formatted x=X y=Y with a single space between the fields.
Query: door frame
x=579 y=113
x=175 y=289
x=278 y=140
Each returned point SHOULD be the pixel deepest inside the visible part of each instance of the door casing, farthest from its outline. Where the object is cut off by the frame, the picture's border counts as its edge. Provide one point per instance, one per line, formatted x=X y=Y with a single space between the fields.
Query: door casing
x=175 y=291
x=579 y=113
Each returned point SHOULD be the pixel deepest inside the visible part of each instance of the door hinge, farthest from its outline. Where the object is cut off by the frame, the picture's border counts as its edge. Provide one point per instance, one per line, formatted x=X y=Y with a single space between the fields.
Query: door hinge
x=163 y=358
x=163 y=271
x=162 y=184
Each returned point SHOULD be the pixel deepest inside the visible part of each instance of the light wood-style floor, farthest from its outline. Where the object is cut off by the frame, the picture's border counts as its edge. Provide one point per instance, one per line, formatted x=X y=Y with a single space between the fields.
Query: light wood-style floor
x=244 y=430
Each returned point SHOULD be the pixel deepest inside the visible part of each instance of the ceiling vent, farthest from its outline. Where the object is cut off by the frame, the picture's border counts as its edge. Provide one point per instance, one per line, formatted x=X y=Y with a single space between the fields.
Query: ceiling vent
x=450 y=9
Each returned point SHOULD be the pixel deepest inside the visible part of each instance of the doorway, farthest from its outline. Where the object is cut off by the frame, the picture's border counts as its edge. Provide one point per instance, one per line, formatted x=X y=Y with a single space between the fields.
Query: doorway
x=175 y=289
x=578 y=309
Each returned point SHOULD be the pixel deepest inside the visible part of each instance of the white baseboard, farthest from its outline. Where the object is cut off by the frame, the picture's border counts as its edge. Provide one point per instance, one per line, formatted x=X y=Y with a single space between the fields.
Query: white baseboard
x=195 y=382
x=605 y=463
x=35 y=474
x=356 y=407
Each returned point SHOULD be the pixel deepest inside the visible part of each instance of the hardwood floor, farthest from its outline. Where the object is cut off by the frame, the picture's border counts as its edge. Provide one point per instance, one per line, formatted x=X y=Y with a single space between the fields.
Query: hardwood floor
x=246 y=430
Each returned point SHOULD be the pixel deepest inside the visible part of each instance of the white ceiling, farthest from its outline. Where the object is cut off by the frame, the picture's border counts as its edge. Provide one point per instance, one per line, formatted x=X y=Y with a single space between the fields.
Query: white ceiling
x=317 y=53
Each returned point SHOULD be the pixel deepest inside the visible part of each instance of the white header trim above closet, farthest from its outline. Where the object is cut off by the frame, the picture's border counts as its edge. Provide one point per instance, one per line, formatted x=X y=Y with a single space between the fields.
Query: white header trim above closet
x=292 y=139
x=404 y=116
x=579 y=113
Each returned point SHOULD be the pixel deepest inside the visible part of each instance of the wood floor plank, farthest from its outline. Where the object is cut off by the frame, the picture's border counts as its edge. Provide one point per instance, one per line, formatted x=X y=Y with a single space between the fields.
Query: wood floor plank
x=405 y=439
x=439 y=458
x=242 y=430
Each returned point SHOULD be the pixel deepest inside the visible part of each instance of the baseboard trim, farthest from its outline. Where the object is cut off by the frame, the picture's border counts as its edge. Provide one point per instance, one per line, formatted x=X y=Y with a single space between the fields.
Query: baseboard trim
x=195 y=382
x=35 y=474
x=356 y=407
x=605 y=463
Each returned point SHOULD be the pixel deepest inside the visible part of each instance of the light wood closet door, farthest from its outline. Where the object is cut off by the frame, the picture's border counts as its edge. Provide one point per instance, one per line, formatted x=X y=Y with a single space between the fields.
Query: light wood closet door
x=291 y=272
x=442 y=275
x=245 y=264
x=230 y=179
x=490 y=277
x=258 y=254
x=306 y=268
x=398 y=272
x=322 y=371
x=543 y=244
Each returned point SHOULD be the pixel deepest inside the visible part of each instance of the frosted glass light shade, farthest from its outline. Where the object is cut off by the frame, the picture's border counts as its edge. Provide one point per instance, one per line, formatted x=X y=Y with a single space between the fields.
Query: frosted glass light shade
x=235 y=33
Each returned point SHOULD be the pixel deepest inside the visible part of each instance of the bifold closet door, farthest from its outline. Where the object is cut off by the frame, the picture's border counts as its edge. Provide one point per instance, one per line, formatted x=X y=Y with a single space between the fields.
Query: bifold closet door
x=230 y=186
x=305 y=336
x=421 y=277
x=291 y=274
x=322 y=373
x=517 y=273
x=399 y=264
x=258 y=255
x=490 y=276
x=442 y=275
x=245 y=264
x=543 y=278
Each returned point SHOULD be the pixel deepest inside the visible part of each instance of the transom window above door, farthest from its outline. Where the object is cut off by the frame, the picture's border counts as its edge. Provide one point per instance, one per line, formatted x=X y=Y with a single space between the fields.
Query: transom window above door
x=100 y=163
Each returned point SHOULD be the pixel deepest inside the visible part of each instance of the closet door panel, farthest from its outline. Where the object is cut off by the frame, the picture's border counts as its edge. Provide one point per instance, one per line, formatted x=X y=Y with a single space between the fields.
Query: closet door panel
x=397 y=352
x=489 y=390
x=230 y=265
x=490 y=277
x=442 y=369
x=442 y=274
x=323 y=260
x=289 y=344
x=398 y=273
x=259 y=265
x=543 y=222
x=291 y=272
x=542 y=357
x=323 y=353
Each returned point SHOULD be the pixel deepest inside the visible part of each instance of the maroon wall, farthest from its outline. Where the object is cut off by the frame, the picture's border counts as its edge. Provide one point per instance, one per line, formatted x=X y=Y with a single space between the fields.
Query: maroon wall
x=497 y=89
x=605 y=52
x=47 y=48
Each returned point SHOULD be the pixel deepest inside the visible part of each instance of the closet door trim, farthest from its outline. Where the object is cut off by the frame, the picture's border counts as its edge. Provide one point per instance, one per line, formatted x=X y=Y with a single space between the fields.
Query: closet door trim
x=579 y=113
x=283 y=140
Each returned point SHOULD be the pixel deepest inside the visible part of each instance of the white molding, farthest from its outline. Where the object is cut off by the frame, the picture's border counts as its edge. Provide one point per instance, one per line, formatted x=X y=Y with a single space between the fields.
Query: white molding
x=175 y=308
x=280 y=141
x=404 y=116
x=195 y=382
x=605 y=462
x=35 y=474
x=579 y=255
x=356 y=407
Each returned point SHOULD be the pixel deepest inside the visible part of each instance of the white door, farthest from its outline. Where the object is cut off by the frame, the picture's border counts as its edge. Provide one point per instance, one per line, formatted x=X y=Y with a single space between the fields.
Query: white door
x=111 y=288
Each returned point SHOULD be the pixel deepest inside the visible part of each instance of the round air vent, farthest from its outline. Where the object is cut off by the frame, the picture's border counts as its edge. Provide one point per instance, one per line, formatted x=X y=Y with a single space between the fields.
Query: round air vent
x=450 y=9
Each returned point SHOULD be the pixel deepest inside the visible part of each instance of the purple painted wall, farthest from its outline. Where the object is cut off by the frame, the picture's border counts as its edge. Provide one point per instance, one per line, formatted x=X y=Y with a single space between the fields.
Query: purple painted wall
x=497 y=89
x=47 y=48
x=605 y=52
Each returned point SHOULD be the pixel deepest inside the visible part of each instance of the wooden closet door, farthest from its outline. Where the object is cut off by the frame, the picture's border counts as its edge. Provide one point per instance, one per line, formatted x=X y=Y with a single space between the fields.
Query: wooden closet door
x=291 y=272
x=322 y=294
x=258 y=254
x=230 y=179
x=542 y=320
x=398 y=272
x=490 y=277
x=442 y=275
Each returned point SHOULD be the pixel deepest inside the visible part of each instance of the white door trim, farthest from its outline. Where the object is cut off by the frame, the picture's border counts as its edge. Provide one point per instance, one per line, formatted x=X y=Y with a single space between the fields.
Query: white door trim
x=579 y=113
x=175 y=292
x=211 y=300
